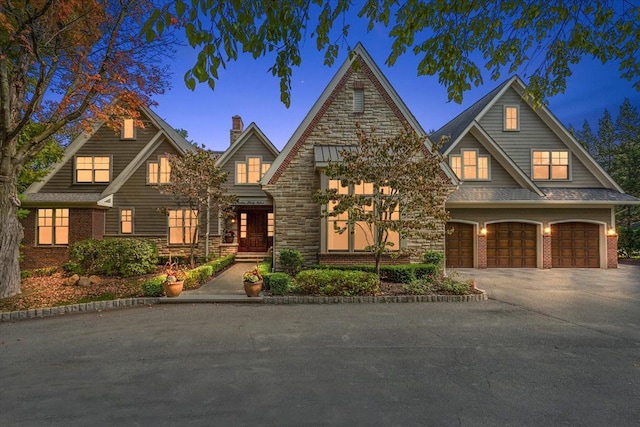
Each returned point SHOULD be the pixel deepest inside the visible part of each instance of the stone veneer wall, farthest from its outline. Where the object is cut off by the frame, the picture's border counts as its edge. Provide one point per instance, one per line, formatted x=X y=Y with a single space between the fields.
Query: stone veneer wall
x=297 y=215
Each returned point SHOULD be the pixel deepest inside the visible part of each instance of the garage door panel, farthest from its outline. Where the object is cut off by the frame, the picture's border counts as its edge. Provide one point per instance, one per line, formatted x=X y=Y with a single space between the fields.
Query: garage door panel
x=512 y=245
x=459 y=245
x=575 y=245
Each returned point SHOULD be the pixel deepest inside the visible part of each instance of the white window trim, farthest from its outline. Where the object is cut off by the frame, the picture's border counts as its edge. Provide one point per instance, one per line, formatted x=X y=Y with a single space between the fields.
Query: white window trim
x=92 y=182
x=504 y=118
x=135 y=130
x=246 y=163
x=550 y=179
x=478 y=156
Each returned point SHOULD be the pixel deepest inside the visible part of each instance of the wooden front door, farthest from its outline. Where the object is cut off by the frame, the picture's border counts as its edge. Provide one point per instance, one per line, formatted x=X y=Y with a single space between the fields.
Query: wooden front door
x=459 y=245
x=252 y=226
x=511 y=244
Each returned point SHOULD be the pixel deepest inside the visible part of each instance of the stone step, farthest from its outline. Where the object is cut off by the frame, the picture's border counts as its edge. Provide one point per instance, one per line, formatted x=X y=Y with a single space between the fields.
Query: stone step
x=252 y=257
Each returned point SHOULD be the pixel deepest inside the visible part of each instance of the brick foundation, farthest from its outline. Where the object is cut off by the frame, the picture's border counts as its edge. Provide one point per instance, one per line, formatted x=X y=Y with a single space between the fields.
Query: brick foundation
x=612 y=251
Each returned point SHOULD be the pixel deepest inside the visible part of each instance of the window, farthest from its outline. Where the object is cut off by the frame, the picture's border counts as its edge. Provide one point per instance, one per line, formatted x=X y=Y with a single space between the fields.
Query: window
x=126 y=221
x=470 y=166
x=159 y=172
x=243 y=225
x=93 y=169
x=550 y=165
x=511 y=118
x=271 y=224
x=128 y=129
x=251 y=171
x=53 y=226
x=358 y=100
x=357 y=235
x=182 y=225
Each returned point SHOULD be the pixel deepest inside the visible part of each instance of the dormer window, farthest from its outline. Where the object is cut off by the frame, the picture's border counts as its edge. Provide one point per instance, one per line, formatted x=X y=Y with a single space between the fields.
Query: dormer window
x=91 y=170
x=128 y=129
x=550 y=165
x=251 y=171
x=511 y=118
x=470 y=166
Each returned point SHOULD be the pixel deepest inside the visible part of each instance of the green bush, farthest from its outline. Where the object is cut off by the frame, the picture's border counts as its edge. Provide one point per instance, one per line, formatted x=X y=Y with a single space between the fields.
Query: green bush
x=279 y=283
x=439 y=285
x=153 y=287
x=72 y=267
x=628 y=241
x=114 y=256
x=337 y=282
x=402 y=273
x=291 y=261
x=433 y=257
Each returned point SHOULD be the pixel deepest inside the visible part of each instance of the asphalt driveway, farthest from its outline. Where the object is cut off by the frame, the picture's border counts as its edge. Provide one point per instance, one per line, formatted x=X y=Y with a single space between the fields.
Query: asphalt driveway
x=542 y=352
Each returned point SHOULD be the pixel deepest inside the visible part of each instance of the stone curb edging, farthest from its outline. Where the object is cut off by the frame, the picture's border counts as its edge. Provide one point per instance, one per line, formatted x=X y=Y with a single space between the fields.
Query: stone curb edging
x=307 y=299
x=9 y=316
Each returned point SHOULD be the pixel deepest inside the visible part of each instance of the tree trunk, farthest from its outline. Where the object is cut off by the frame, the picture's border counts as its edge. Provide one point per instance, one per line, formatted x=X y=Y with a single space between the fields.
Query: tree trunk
x=11 y=234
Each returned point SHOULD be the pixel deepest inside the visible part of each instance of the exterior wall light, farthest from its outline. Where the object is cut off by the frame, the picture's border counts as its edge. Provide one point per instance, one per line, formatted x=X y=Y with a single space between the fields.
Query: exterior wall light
x=547 y=230
x=611 y=232
x=483 y=231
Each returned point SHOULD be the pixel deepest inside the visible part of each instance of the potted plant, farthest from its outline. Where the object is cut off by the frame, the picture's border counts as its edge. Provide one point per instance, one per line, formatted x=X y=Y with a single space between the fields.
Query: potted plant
x=228 y=236
x=174 y=282
x=252 y=281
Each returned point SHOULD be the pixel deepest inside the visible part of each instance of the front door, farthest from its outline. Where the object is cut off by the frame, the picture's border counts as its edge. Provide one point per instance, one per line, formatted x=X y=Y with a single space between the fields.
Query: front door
x=252 y=231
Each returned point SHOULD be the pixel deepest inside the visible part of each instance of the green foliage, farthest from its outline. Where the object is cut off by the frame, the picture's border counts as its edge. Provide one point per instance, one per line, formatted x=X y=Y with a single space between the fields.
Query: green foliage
x=153 y=287
x=198 y=276
x=455 y=42
x=629 y=241
x=291 y=261
x=402 y=273
x=337 y=283
x=433 y=257
x=39 y=165
x=440 y=286
x=114 y=256
x=38 y=272
x=279 y=283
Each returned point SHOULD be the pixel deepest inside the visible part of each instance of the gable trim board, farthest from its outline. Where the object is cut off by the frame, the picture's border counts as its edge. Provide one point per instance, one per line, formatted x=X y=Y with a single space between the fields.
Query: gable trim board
x=360 y=58
x=242 y=139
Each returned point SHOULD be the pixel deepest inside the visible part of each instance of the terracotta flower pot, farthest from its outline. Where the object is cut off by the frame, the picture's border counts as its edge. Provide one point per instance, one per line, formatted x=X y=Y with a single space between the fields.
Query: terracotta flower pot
x=172 y=289
x=253 y=289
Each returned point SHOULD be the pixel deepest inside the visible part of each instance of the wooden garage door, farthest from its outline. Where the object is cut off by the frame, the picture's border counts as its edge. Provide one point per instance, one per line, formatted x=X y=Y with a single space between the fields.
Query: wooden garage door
x=459 y=245
x=575 y=244
x=511 y=244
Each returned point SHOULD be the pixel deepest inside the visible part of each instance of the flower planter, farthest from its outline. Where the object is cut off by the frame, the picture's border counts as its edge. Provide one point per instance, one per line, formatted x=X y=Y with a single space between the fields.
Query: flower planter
x=172 y=289
x=253 y=289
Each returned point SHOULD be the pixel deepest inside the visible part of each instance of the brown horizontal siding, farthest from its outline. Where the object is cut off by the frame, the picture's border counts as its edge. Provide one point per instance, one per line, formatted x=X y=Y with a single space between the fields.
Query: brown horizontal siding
x=251 y=148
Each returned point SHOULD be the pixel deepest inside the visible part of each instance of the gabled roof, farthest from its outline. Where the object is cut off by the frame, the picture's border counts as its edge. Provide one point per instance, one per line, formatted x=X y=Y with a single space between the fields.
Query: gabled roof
x=164 y=130
x=457 y=128
x=252 y=129
x=338 y=81
x=491 y=196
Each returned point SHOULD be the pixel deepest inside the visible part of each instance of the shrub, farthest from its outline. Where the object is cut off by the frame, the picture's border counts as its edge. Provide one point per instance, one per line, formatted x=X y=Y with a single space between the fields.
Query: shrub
x=279 y=283
x=628 y=241
x=418 y=287
x=402 y=273
x=291 y=261
x=433 y=257
x=153 y=287
x=337 y=282
x=110 y=257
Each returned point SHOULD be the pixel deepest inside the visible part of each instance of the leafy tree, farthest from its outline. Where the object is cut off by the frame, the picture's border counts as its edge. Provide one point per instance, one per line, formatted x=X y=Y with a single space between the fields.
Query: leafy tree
x=38 y=166
x=196 y=182
x=407 y=190
x=605 y=144
x=627 y=159
x=62 y=63
x=542 y=38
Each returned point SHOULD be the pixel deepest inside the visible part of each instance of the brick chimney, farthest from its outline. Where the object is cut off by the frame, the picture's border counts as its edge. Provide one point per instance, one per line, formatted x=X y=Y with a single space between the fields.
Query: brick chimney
x=236 y=128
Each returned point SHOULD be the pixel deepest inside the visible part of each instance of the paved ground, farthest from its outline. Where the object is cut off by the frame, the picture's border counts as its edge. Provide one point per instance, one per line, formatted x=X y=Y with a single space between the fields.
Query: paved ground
x=549 y=355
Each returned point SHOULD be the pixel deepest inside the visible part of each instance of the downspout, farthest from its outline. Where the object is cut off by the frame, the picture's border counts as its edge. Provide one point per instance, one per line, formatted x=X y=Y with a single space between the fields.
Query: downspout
x=206 y=237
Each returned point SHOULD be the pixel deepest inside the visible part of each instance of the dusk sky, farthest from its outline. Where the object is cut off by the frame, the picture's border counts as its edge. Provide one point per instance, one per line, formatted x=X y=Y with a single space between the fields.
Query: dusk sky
x=247 y=88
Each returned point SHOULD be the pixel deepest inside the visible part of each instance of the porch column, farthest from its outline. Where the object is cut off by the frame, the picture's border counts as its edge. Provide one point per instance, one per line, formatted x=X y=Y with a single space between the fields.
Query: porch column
x=482 y=250
x=612 y=250
x=546 y=250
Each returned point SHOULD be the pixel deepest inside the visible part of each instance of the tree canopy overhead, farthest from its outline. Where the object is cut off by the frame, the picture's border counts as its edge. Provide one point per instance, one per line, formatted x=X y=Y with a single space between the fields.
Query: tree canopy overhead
x=539 y=39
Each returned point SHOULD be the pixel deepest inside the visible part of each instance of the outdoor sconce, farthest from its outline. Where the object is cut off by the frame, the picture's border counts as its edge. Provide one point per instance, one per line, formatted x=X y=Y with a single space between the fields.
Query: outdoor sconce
x=611 y=232
x=233 y=220
x=547 y=230
x=483 y=231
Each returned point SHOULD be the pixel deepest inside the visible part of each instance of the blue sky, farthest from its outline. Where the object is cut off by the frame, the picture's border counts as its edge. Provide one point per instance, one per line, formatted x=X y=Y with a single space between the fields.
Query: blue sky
x=246 y=88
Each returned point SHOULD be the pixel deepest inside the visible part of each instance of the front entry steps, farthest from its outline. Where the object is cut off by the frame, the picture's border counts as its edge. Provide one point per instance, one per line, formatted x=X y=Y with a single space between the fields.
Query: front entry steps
x=252 y=257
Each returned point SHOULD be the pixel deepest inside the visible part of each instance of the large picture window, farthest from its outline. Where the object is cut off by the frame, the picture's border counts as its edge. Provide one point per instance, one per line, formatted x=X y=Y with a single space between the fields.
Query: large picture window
x=468 y=165
x=550 y=165
x=182 y=225
x=53 y=226
x=91 y=169
x=159 y=172
x=358 y=235
x=251 y=171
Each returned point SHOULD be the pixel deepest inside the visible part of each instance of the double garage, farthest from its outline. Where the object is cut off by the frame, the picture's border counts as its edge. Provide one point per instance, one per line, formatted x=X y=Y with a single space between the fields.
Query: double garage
x=517 y=245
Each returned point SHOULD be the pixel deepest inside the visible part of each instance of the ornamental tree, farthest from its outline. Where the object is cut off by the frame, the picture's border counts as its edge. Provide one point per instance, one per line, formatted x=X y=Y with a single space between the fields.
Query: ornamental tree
x=396 y=188
x=62 y=64
x=454 y=40
x=197 y=183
